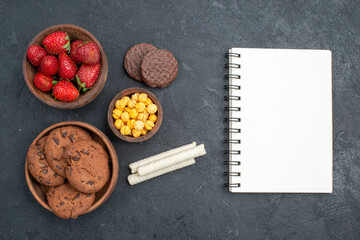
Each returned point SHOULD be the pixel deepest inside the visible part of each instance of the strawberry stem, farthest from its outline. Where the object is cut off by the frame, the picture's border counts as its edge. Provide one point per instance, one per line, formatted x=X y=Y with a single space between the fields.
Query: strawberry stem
x=82 y=86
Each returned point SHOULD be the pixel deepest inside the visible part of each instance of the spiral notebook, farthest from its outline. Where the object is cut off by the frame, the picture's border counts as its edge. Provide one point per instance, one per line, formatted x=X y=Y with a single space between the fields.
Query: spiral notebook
x=280 y=120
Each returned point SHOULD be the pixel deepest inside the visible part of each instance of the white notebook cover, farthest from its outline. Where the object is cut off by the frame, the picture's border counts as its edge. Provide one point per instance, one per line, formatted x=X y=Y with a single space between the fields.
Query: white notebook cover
x=286 y=121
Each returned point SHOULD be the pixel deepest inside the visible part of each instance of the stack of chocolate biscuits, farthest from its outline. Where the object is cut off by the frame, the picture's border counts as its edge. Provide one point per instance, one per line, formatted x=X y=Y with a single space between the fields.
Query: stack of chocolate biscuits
x=72 y=166
x=156 y=67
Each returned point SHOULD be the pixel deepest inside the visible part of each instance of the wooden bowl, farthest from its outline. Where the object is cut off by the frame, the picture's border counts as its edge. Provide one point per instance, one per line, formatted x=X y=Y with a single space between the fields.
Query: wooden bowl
x=38 y=190
x=75 y=33
x=128 y=92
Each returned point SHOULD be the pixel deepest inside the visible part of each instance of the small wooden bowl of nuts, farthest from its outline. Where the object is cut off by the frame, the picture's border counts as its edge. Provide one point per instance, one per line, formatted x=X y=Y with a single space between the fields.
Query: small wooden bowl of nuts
x=135 y=115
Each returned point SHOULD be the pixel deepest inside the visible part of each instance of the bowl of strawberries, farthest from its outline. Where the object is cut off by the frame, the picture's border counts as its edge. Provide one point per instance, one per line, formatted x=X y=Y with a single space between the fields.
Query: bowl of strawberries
x=65 y=66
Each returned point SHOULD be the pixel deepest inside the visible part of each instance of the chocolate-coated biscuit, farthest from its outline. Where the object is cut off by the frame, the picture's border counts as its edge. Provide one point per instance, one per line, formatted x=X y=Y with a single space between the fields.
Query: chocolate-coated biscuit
x=134 y=57
x=38 y=166
x=56 y=144
x=66 y=202
x=88 y=166
x=159 y=68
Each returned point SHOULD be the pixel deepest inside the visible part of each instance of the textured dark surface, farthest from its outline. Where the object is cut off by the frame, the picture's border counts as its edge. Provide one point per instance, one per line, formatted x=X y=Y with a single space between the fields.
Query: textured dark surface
x=190 y=203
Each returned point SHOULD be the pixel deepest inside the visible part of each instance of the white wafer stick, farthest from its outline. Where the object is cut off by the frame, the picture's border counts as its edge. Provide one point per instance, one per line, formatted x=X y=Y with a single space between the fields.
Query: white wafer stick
x=172 y=160
x=135 y=165
x=136 y=178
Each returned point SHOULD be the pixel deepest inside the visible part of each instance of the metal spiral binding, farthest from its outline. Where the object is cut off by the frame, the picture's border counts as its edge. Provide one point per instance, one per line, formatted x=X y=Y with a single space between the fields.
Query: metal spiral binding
x=234 y=152
x=232 y=163
x=227 y=55
x=233 y=141
x=237 y=174
x=232 y=119
x=232 y=185
x=236 y=87
x=228 y=98
x=229 y=109
x=232 y=130
x=233 y=77
x=232 y=65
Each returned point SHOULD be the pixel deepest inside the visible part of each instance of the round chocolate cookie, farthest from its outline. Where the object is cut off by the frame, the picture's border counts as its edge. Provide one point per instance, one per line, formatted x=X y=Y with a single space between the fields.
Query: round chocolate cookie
x=57 y=142
x=159 y=68
x=134 y=57
x=38 y=166
x=67 y=202
x=88 y=166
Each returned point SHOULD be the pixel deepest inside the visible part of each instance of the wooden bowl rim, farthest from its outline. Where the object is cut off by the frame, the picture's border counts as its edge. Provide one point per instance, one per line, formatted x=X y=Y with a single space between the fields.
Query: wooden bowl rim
x=127 y=92
x=110 y=148
x=93 y=93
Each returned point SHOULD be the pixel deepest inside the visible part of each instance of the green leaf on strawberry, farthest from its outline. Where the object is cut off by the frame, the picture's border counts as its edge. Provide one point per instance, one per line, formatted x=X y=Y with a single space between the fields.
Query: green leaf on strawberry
x=82 y=86
x=67 y=45
x=78 y=80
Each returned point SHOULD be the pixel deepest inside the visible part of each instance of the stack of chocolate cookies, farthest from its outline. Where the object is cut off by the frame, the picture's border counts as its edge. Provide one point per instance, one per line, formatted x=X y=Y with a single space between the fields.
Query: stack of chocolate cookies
x=72 y=166
x=156 y=67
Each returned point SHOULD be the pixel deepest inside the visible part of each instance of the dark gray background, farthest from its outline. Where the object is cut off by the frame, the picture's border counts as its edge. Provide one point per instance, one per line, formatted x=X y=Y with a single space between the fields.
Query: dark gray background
x=190 y=203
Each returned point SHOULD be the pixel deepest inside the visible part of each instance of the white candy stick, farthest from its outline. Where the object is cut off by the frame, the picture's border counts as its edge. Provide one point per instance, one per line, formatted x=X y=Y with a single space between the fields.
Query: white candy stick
x=172 y=160
x=135 y=165
x=136 y=178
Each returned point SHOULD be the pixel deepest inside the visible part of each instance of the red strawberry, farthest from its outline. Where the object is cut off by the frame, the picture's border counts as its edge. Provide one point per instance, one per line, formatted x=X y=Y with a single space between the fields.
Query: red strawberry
x=67 y=67
x=49 y=65
x=88 y=53
x=73 y=48
x=43 y=82
x=87 y=76
x=35 y=54
x=56 y=43
x=65 y=91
